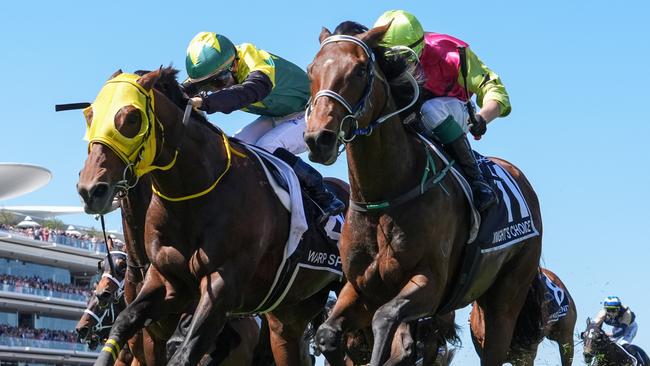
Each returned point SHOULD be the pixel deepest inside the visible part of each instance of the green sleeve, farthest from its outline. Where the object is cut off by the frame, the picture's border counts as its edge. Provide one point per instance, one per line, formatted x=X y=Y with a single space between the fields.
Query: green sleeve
x=485 y=84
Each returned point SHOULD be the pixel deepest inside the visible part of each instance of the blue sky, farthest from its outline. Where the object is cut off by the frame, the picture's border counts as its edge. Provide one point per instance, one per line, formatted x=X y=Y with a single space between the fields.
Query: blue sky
x=575 y=72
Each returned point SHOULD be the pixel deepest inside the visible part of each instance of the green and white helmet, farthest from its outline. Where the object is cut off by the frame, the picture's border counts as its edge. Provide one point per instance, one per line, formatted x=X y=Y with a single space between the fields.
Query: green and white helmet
x=405 y=30
x=207 y=55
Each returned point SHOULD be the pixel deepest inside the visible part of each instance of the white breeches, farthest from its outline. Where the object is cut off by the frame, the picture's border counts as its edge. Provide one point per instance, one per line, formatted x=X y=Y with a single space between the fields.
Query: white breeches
x=436 y=110
x=271 y=133
x=629 y=334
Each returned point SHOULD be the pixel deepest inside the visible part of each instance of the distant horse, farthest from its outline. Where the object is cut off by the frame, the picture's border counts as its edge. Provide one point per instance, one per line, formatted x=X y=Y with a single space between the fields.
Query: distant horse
x=214 y=232
x=599 y=349
x=104 y=305
x=559 y=330
x=401 y=255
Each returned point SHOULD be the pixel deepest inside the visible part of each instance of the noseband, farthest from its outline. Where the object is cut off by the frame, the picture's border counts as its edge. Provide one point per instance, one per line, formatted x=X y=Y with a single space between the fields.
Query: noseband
x=361 y=107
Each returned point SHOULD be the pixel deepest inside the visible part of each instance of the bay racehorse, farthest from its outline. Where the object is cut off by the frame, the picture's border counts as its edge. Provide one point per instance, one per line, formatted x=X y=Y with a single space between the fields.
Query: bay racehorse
x=600 y=350
x=215 y=232
x=401 y=256
x=557 y=327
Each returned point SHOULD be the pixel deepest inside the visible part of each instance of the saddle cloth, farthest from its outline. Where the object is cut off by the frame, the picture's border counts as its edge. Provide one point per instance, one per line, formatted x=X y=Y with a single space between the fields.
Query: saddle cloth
x=304 y=249
x=491 y=235
x=294 y=202
x=556 y=299
x=504 y=224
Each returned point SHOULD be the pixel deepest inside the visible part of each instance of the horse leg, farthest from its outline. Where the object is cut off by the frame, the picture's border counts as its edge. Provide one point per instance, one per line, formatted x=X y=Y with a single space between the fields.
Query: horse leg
x=287 y=329
x=151 y=304
x=501 y=306
x=416 y=299
x=403 y=349
x=348 y=314
x=566 y=350
x=208 y=320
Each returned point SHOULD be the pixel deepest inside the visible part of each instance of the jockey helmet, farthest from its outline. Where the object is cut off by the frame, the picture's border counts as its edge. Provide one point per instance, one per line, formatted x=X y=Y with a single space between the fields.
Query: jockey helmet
x=612 y=303
x=209 y=54
x=405 y=30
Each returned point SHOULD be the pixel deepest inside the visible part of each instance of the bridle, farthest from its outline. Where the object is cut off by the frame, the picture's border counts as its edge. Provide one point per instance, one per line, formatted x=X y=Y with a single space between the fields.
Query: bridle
x=359 y=110
x=104 y=320
x=119 y=283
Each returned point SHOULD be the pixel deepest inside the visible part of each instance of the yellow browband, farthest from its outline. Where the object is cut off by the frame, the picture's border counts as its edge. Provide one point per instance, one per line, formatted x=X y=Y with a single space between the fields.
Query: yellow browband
x=139 y=151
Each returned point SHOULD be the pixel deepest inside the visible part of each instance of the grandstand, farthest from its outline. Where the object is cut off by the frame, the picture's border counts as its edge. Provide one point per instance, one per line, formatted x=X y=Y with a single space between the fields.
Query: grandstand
x=46 y=275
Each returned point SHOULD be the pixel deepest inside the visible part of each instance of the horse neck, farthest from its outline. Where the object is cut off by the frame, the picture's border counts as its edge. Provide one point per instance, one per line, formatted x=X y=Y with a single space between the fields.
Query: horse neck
x=383 y=165
x=201 y=155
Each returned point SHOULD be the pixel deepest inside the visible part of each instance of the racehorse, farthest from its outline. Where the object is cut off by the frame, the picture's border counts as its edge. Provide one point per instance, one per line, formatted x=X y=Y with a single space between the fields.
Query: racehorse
x=215 y=231
x=599 y=349
x=558 y=329
x=104 y=305
x=400 y=255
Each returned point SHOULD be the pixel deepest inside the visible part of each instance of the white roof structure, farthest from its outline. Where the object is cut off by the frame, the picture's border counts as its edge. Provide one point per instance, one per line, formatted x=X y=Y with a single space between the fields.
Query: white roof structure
x=28 y=222
x=18 y=179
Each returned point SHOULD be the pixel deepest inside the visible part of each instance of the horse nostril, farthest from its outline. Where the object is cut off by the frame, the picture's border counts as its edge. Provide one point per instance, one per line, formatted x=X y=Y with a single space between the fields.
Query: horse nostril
x=82 y=332
x=104 y=296
x=99 y=190
x=310 y=140
x=326 y=138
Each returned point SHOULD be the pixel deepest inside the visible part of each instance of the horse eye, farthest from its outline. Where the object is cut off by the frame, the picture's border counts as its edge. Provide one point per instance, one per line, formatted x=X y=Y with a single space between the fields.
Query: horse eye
x=361 y=71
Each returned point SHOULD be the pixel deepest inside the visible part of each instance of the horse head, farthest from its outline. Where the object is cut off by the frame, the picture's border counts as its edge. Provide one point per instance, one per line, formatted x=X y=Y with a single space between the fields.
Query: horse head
x=343 y=78
x=107 y=300
x=126 y=138
x=595 y=340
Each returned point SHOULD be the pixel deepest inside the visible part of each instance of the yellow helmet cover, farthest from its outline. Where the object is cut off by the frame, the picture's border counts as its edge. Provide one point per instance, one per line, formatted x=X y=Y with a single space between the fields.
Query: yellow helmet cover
x=121 y=91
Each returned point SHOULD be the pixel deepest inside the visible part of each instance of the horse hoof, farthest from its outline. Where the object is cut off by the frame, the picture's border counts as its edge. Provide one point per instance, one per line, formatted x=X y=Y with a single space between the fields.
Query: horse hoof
x=327 y=338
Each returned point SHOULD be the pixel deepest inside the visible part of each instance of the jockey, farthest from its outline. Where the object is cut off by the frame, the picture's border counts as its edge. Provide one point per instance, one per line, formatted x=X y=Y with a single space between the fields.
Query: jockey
x=224 y=77
x=621 y=318
x=446 y=111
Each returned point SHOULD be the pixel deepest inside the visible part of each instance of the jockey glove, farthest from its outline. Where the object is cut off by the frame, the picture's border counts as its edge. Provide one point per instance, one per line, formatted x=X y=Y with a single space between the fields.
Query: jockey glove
x=479 y=127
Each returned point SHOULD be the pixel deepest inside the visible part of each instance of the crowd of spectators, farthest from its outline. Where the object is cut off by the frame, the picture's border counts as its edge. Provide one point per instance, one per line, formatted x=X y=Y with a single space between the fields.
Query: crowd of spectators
x=23 y=283
x=58 y=236
x=38 y=334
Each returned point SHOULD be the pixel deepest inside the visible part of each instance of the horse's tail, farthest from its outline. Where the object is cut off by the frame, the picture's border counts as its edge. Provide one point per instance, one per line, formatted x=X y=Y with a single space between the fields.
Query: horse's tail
x=447 y=329
x=529 y=329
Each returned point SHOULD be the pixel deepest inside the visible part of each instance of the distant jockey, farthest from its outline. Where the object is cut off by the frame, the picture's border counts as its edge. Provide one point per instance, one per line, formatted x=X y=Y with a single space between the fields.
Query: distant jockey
x=621 y=318
x=224 y=78
x=448 y=112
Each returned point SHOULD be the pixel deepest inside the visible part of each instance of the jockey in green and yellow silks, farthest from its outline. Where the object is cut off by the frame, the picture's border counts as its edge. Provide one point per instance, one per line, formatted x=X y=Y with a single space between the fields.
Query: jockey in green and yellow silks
x=446 y=113
x=224 y=77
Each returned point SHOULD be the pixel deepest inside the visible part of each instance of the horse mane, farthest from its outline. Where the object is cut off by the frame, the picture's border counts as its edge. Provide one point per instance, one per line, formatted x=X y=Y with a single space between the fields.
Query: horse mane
x=395 y=68
x=169 y=86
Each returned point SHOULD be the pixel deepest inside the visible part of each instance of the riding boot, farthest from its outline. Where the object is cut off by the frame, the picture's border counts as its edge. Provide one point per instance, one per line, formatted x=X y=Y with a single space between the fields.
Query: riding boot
x=461 y=151
x=312 y=181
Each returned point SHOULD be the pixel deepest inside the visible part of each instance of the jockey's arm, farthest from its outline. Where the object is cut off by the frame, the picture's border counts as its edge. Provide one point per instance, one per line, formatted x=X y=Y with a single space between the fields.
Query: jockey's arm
x=599 y=318
x=491 y=94
x=254 y=88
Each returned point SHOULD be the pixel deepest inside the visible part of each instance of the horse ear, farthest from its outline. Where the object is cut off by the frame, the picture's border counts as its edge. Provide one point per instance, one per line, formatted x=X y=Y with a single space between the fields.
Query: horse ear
x=149 y=79
x=373 y=36
x=119 y=71
x=324 y=33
